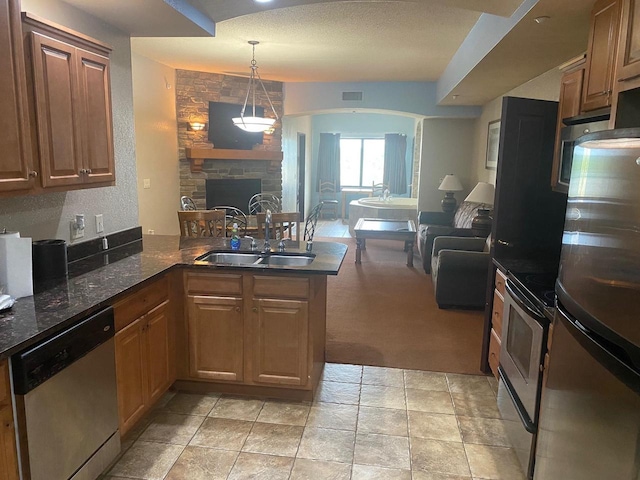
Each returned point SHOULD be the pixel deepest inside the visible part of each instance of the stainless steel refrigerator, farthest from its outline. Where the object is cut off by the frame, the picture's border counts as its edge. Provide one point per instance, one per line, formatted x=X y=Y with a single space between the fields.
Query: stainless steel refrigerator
x=590 y=410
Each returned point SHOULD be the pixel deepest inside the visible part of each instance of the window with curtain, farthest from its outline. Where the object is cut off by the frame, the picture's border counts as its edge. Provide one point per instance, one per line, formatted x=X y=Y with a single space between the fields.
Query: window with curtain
x=361 y=161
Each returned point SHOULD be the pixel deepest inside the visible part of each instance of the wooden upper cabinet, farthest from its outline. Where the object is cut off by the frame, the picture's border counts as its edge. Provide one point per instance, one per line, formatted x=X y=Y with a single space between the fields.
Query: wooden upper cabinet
x=629 y=47
x=570 y=103
x=94 y=76
x=601 y=55
x=16 y=166
x=70 y=76
x=58 y=111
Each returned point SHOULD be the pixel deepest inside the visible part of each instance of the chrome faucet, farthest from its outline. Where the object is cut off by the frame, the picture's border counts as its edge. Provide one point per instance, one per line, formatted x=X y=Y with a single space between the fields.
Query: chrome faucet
x=267 y=233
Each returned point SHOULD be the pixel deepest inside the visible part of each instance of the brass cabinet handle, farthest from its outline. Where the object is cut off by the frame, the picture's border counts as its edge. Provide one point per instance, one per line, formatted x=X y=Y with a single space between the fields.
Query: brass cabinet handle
x=255 y=309
x=33 y=174
x=238 y=309
x=83 y=171
x=505 y=243
x=88 y=170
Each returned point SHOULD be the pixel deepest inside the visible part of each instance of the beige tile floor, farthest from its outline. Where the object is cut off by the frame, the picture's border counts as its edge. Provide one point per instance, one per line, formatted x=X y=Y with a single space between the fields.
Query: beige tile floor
x=365 y=423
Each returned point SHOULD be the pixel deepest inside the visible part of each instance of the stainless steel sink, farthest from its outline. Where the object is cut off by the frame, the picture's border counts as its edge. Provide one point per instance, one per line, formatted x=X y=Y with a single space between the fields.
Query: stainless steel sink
x=288 y=260
x=244 y=258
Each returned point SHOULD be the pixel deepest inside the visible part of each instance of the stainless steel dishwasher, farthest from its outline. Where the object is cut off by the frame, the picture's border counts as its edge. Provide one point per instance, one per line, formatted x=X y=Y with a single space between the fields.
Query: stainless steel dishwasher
x=66 y=400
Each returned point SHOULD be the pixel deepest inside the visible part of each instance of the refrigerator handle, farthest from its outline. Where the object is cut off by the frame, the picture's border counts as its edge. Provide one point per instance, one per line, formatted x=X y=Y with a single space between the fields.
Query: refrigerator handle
x=528 y=424
x=608 y=354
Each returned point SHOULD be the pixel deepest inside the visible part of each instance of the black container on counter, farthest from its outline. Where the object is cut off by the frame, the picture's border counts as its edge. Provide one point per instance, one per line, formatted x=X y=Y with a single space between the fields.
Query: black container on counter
x=49 y=260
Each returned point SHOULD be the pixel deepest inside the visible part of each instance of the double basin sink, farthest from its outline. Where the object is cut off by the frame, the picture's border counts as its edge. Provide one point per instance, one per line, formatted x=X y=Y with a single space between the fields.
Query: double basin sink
x=255 y=258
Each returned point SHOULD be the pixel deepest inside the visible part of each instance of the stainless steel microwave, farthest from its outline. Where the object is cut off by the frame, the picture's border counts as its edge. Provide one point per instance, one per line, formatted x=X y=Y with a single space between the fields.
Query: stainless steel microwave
x=568 y=137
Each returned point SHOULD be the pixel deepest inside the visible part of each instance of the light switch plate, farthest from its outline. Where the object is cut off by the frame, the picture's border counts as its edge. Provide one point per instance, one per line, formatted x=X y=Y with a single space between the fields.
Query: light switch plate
x=146 y=183
x=99 y=223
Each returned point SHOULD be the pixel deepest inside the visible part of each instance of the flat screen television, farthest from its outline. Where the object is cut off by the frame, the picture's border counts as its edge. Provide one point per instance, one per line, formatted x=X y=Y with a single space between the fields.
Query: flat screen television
x=224 y=134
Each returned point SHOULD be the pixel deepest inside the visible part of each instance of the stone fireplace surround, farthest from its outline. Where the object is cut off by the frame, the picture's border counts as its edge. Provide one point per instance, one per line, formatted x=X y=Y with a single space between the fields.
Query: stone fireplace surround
x=194 y=91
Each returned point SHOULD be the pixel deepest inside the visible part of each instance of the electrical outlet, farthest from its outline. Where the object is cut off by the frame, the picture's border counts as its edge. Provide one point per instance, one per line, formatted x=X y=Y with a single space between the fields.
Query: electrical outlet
x=99 y=223
x=151 y=232
x=146 y=183
x=77 y=227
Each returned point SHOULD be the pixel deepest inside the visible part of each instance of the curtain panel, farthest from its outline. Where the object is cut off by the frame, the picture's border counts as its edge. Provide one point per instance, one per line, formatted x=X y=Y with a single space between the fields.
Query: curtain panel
x=329 y=159
x=395 y=166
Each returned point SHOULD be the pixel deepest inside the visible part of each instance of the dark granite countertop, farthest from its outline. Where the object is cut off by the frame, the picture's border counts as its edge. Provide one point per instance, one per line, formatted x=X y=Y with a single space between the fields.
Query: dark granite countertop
x=98 y=281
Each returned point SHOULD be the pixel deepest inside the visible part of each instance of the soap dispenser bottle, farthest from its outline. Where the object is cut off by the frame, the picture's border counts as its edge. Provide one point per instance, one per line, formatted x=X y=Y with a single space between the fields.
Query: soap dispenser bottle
x=235 y=239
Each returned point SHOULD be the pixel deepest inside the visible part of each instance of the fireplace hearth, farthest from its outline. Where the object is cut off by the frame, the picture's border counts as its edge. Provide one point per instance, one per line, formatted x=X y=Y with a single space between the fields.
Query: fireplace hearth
x=232 y=192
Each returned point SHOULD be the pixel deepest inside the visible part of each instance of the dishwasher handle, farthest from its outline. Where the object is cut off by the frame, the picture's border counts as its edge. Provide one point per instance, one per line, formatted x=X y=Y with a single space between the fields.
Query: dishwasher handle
x=42 y=361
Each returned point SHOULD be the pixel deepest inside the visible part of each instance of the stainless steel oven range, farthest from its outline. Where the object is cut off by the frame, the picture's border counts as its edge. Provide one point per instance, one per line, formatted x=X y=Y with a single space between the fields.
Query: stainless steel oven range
x=524 y=340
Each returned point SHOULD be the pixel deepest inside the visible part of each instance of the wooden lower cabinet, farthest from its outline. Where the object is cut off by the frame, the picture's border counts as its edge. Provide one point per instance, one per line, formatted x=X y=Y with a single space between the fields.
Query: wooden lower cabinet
x=142 y=364
x=8 y=453
x=215 y=327
x=280 y=341
x=254 y=330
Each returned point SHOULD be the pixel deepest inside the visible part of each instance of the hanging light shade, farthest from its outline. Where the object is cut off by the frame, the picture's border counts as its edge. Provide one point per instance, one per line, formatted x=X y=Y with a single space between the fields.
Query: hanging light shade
x=254 y=123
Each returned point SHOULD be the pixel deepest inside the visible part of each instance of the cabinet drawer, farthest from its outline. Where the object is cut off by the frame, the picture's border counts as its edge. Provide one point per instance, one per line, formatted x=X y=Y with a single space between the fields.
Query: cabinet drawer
x=211 y=283
x=500 y=281
x=496 y=318
x=494 y=352
x=276 y=286
x=140 y=302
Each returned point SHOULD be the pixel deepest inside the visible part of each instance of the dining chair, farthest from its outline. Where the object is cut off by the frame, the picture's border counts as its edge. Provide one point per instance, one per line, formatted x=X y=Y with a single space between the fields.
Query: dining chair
x=261 y=202
x=187 y=203
x=378 y=189
x=310 y=223
x=202 y=223
x=285 y=225
x=327 y=191
x=234 y=215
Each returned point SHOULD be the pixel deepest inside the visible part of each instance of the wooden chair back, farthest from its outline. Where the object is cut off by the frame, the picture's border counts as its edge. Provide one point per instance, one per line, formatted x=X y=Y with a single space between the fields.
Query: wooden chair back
x=234 y=215
x=284 y=225
x=202 y=223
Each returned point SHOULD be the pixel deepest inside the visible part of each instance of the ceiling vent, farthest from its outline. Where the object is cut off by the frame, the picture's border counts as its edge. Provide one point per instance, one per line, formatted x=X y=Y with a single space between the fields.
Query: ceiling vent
x=352 y=96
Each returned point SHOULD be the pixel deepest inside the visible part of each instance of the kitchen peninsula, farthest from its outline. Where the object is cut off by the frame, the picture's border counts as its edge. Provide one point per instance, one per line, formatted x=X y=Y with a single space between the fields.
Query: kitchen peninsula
x=254 y=329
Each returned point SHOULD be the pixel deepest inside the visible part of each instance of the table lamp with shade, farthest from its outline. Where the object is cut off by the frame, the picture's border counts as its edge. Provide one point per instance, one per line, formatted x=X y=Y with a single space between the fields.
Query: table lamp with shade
x=482 y=194
x=449 y=185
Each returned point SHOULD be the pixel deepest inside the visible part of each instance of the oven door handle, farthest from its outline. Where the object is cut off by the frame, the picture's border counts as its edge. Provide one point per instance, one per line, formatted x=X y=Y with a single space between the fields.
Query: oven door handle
x=516 y=298
x=528 y=424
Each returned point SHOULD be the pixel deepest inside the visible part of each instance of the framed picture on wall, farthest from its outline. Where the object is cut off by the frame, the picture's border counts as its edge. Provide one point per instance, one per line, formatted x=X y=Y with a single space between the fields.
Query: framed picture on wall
x=493 y=140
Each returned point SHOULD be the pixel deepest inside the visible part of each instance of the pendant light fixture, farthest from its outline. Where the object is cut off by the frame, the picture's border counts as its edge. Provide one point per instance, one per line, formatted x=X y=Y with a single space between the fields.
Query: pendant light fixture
x=253 y=123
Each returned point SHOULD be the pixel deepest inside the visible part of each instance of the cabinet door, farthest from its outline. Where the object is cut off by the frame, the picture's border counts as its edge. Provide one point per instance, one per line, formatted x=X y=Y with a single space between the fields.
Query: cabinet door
x=15 y=161
x=58 y=111
x=629 y=46
x=156 y=331
x=97 y=130
x=601 y=54
x=280 y=339
x=570 y=102
x=215 y=337
x=131 y=374
x=8 y=455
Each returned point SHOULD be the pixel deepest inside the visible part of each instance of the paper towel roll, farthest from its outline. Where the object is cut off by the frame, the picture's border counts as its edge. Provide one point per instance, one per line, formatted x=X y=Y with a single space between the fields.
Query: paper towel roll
x=16 y=265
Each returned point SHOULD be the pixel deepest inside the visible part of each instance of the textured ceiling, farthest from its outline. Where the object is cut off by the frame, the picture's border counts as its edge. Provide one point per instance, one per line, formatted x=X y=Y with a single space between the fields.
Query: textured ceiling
x=323 y=42
x=353 y=41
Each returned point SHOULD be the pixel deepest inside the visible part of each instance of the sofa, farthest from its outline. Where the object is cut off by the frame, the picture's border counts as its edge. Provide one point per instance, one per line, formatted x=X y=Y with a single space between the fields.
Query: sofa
x=435 y=224
x=460 y=270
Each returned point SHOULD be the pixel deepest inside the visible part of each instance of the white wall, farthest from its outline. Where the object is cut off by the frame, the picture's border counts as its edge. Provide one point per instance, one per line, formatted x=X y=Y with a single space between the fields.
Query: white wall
x=156 y=145
x=291 y=126
x=543 y=87
x=447 y=148
x=48 y=215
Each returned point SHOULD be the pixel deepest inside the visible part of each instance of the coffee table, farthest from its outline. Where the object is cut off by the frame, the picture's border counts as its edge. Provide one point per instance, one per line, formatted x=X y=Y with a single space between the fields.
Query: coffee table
x=383 y=229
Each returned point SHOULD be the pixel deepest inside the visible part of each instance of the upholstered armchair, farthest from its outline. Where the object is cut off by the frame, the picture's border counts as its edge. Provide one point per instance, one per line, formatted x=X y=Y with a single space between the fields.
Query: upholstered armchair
x=459 y=270
x=435 y=224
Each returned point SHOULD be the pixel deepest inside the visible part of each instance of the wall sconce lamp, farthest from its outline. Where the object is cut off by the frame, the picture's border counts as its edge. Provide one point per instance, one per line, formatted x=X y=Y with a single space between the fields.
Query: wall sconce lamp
x=197 y=126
